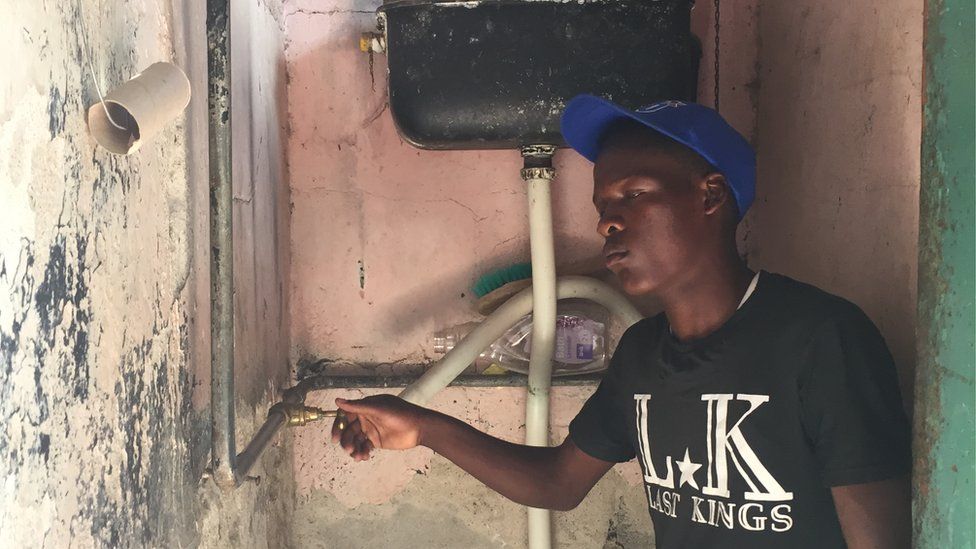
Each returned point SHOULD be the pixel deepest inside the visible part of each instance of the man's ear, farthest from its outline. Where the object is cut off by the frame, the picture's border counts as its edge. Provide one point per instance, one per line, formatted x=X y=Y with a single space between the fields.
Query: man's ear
x=716 y=192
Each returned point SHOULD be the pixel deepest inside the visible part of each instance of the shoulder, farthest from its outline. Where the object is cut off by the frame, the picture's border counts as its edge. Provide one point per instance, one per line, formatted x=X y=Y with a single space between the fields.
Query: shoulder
x=808 y=307
x=808 y=302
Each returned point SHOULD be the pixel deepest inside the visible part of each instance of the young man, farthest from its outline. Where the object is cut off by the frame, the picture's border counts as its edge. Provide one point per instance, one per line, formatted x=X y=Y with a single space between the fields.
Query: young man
x=764 y=412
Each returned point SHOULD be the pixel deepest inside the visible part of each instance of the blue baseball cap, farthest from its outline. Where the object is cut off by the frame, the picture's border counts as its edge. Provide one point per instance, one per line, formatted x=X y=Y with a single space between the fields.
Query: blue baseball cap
x=695 y=126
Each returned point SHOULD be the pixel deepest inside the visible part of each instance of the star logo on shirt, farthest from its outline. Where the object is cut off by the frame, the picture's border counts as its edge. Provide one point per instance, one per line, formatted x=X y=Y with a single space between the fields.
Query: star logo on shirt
x=687 y=469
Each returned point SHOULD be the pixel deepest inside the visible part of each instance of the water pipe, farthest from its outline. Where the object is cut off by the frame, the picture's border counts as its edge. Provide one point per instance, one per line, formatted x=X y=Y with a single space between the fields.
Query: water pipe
x=538 y=174
x=287 y=413
x=221 y=246
x=227 y=468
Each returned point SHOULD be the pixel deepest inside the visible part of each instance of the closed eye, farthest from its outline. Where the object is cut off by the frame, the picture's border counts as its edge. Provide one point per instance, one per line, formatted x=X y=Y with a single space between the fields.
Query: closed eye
x=634 y=194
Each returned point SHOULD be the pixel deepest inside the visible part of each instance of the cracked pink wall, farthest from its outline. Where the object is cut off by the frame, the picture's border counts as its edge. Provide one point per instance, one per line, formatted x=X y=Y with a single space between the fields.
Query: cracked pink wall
x=387 y=239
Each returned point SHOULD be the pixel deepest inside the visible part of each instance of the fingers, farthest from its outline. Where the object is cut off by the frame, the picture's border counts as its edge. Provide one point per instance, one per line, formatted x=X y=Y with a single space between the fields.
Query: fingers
x=343 y=423
x=348 y=436
x=352 y=406
x=371 y=432
x=336 y=430
x=363 y=448
x=360 y=436
x=365 y=451
x=355 y=442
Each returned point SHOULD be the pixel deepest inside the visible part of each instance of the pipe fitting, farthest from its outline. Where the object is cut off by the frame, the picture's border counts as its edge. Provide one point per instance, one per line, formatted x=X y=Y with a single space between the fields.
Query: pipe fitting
x=538 y=151
x=537 y=162
x=299 y=415
x=538 y=173
x=372 y=42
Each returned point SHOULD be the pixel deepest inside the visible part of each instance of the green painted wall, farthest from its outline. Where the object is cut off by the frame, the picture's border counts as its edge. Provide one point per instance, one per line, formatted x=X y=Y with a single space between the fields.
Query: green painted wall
x=944 y=408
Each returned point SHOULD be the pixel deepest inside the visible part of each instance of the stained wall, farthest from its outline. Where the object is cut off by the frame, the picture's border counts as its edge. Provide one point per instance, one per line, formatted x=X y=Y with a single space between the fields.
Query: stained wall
x=104 y=299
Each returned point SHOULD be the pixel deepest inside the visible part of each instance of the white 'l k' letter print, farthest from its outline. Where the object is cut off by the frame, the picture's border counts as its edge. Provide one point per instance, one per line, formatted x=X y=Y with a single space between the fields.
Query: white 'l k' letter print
x=650 y=475
x=723 y=443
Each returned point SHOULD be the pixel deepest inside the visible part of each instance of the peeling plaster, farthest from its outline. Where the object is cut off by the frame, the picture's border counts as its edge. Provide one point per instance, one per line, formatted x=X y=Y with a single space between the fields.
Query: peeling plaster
x=101 y=444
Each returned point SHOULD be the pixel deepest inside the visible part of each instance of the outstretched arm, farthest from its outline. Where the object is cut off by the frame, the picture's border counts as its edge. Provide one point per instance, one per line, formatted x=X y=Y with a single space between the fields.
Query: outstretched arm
x=553 y=478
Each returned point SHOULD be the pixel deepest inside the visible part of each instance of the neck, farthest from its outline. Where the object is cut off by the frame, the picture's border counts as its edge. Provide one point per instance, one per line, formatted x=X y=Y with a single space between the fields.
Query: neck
x=706 y=296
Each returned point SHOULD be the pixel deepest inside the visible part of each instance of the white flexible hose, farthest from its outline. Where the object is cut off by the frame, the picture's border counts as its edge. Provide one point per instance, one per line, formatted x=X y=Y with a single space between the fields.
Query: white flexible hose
x=442 y=373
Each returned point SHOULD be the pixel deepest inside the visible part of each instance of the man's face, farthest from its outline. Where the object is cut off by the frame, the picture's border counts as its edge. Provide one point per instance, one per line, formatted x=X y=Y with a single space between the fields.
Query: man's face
x=652 y=217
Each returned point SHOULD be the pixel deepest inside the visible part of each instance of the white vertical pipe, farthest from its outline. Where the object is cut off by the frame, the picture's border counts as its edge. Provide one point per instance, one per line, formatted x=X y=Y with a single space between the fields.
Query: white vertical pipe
x=543 y=338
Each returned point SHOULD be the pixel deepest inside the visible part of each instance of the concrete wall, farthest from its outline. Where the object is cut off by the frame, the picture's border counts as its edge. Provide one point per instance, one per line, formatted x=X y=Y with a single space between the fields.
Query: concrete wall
x=387 y=241
x=838 y=144
x=104 y=330
x=261 y=241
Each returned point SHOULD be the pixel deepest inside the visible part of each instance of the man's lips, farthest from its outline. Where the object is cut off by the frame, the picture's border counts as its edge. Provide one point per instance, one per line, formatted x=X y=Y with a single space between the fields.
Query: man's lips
x=614 y=254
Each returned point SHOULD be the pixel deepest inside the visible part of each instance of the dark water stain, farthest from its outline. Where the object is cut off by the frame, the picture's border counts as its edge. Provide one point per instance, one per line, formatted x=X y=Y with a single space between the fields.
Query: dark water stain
x=52 y=293
x=43 y=447
x=79 y=353
x=153 y=419
x=40 y=400
x=77 y=332
x=56 y=111
x=65 y=282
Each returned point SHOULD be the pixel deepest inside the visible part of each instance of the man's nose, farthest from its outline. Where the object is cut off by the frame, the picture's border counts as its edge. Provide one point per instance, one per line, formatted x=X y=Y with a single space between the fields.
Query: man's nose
x=609 y=223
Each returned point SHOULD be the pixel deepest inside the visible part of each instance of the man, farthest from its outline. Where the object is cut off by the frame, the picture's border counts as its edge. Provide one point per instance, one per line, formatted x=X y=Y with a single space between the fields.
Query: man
x=764 y=412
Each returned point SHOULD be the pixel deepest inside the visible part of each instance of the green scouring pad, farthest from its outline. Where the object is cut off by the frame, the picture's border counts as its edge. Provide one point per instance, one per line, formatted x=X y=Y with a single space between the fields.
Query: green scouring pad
x=500 y=277
x=495 y=287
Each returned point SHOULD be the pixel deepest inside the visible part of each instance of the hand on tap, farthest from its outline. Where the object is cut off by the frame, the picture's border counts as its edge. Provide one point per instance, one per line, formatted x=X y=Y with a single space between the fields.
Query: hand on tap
x=380 y=421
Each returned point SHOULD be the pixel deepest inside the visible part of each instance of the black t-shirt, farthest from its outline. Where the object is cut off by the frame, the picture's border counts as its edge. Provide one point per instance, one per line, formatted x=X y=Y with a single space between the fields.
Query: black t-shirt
x=741 y=434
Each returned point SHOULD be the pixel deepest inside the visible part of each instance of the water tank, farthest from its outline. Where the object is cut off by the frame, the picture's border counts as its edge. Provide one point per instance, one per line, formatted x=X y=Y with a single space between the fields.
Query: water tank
x=496 y=74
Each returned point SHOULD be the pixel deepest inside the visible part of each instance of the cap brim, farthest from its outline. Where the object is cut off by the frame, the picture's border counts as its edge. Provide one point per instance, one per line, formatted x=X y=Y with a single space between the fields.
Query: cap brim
x=585 y=120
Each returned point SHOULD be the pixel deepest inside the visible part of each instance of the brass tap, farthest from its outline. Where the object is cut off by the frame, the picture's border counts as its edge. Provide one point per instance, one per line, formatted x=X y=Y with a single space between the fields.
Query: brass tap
x=298 y=415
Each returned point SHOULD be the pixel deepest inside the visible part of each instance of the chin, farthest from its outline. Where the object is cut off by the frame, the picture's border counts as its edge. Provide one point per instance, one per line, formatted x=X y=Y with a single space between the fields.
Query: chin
x=635 y=285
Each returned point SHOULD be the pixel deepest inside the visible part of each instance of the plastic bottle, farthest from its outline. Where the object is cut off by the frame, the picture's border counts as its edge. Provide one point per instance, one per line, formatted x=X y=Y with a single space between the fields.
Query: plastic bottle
x=580 y=341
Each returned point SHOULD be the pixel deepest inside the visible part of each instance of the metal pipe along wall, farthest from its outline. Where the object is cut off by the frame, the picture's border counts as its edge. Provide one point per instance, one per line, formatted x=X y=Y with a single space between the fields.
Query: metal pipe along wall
x=221 y=245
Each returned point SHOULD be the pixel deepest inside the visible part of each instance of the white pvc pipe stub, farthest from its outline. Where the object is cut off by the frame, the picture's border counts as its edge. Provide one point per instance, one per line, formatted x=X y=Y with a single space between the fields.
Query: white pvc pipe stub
x=134 y=112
